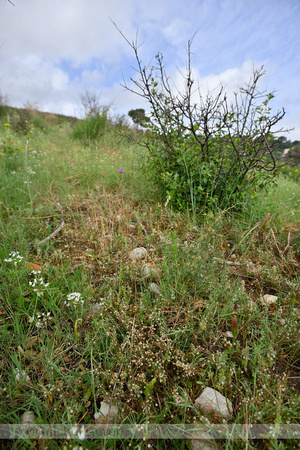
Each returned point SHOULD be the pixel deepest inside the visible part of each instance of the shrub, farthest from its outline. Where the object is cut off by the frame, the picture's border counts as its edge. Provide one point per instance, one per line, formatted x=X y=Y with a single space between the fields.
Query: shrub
x=3 y=105
x=21 y=121
x=211 y=152
x=90 y=129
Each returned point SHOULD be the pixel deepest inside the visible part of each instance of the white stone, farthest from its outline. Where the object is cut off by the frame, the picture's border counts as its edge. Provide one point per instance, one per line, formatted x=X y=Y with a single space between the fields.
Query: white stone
x=154 y=288
x=149 y=271
x=269 y=299
x=229 y=334
x=106 y=415
x=138 y=253
x=28 y=417
x=213 y=401
x=205 y=442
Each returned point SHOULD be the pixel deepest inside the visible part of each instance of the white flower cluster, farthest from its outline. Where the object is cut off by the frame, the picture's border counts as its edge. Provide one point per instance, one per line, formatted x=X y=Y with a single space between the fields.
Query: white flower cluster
x=38 y=284
x=76 y=433
x=40 y=320
x=73 y=299
x=21 y=375
x=14 y=257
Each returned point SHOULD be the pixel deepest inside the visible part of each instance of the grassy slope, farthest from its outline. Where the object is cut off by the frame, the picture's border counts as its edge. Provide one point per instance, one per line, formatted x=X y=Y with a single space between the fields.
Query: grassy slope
x=154 y=353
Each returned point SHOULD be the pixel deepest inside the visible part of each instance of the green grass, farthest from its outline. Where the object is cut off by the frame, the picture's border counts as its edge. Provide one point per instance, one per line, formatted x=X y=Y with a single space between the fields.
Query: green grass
x=153 y=353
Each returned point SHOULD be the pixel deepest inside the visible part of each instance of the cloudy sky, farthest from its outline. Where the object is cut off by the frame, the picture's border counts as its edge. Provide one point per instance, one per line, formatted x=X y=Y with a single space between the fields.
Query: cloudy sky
x=52 y=50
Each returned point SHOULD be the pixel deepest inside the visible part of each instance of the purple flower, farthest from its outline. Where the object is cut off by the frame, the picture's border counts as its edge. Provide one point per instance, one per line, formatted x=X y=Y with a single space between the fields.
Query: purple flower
x=121 y=170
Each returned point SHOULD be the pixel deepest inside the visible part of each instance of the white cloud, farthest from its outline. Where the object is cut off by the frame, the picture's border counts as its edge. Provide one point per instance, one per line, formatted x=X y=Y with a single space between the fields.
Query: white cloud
x=231 y=80
x=52 y=50
x=178 y=31
x=59 y=80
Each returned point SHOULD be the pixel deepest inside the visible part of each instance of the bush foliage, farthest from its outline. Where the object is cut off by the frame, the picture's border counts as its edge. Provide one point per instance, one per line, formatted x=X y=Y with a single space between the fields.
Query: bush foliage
x=206 y=151
x=91 y=128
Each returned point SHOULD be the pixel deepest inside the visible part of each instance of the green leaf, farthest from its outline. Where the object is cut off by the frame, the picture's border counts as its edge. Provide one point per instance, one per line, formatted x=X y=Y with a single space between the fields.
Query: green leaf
x=149 y=388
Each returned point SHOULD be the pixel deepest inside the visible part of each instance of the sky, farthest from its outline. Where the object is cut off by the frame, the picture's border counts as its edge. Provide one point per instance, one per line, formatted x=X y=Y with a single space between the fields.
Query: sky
x=51 y=51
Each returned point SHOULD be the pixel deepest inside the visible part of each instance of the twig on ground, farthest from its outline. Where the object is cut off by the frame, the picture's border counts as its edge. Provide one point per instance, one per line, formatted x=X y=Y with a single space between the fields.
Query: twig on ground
x=276 y=242
x=52 y=234
x=288 y=244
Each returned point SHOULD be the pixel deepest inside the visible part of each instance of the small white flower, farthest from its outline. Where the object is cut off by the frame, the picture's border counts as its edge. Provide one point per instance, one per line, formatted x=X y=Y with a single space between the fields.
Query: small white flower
x=15 y=257
x=74 y=430
x=81 y=434
x=21 y=376
x=74 y=298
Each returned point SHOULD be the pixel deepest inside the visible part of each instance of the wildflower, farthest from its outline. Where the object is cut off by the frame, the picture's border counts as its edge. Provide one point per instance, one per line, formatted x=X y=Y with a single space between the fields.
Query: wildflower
x=38 y=284
x=81 y=434
x=21 y=376
x=40 y=320
x=6 y=125
x=121 y=170
x=15 y=257
x=74 y=299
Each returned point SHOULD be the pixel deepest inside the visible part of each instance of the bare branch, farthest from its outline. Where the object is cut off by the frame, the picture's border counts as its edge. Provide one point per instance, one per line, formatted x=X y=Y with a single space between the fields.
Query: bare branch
x=223 y=141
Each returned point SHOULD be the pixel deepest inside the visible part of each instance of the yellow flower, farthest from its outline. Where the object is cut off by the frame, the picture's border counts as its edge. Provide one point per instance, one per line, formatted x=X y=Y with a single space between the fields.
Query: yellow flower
x=6 y=125
x=2 y=154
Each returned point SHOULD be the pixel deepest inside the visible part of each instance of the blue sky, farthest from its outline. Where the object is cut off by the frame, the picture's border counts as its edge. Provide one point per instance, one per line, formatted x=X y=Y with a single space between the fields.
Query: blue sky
x=52 y=50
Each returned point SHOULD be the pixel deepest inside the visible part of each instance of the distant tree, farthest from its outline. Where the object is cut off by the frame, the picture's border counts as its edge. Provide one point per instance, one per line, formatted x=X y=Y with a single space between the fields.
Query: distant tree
x=286 y=150
x=280 y=144
x=138 y=116
x=3 y=104
x=91 y=104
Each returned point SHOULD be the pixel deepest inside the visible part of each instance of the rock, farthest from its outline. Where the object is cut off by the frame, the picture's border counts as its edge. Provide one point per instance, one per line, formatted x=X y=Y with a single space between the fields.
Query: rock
x=281 y=322
x=106 y=415
x=154 y=288
x=138 y=253
x=205 y=442
x=27 y=417
x=213 y=401
x=269 y=299
x=228 y=334
x=149 y=271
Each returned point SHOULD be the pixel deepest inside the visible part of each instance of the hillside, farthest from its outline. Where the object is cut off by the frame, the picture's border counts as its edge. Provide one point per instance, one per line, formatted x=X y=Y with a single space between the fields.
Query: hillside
x=117 y=308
